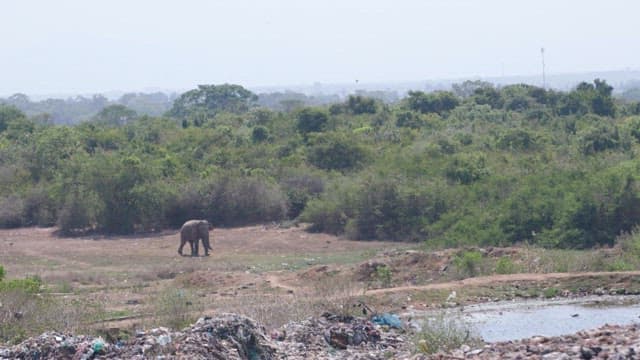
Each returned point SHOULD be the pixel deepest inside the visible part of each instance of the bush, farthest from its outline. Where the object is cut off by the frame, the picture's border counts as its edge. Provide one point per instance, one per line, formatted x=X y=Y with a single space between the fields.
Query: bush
x=40 y=208
x=176 y=308
x=311 y=120
x=550 y=292
x=468 y=263
x=444 y=332
x=233 y=201
x=1 y=272
x=337 y=152
x=77 y=215
x=29 y=285
x=259 y=134
x=27 y=312
x=620 y=265
x=11 y=212
x=517 y=139
x=504 y=265
x=409 y=119
x=325 y=215
x=384 y=275
x=599 y=138
x=467 y=168
x=629 y=242
x=300 y=189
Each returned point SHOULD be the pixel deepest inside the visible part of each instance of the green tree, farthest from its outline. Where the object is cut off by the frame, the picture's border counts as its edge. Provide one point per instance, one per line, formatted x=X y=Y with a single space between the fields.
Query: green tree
x=9 y=113
x=208 y=100
x=115 y=115
x=336 y=151
x=357 y=105
x=436 y=102
x=311 y=120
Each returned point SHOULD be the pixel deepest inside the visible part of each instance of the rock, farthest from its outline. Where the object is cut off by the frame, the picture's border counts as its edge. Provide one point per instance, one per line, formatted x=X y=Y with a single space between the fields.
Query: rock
x=586 y=353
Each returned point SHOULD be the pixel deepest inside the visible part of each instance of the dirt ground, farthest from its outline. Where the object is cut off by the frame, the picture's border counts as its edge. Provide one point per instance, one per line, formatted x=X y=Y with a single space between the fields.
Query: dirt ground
x=267 y=271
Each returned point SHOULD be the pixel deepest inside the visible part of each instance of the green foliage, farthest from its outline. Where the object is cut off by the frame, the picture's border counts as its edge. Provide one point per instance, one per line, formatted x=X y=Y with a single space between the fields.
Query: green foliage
x=300 y=189
x=176 y=308
x=504 y=265
x=27 y=310
x=517 y=139
x=468 y=263
x=311 y=120
x=1 y=272
x=358 y=105
x=467 y=168
x=444 y=332
x=325 y=215
x=11 y=212
x=384 y=275
x=486 y=166
x=599 y=138
x=115 y=115
x=208 y=100
x=436 y=102
x=620 y=265
x=334 y=151
x=29 y=285
x=9 y=114
x=409 y=119
x=550 y=292
x=259 y=134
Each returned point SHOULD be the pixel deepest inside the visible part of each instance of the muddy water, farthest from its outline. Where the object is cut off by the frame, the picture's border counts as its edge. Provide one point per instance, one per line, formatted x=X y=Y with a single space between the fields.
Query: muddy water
x=502 y=321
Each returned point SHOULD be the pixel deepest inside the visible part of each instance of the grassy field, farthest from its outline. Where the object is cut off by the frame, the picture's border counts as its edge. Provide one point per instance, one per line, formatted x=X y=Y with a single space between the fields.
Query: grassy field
x=275 y=275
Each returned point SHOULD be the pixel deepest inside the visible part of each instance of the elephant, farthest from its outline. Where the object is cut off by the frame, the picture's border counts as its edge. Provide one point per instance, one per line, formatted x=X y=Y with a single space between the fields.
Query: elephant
x=192 y=231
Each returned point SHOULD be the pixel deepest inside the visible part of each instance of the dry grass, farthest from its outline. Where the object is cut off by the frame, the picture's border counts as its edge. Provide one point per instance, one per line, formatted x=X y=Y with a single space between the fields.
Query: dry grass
x=336 y=295
x=24 y=314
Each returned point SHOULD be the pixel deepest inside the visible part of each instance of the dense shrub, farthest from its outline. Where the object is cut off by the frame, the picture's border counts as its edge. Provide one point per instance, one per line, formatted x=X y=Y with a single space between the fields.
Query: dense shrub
x=40 y=207
x=517 y=139
x=77 y=215
x=337 y=152
x=233 y=201
x=259 y=134
x=467 y=168
x=468 y=263
x=11 y=211
x=325 y=215
x=311 y=120
x=376 y=209
x=599 y=138
x=299 y=190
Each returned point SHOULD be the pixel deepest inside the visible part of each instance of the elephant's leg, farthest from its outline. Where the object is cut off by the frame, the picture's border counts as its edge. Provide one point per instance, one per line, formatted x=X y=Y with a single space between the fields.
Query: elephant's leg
x=194 y=247
x=182 y=242
x=205 y=244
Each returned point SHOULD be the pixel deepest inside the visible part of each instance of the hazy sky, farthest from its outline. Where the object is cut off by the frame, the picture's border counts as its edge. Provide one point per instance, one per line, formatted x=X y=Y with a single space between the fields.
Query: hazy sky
x=68 y=46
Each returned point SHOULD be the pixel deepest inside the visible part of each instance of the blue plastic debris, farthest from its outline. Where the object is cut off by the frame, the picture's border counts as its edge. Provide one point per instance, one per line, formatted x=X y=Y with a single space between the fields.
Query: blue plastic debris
x=387 y=319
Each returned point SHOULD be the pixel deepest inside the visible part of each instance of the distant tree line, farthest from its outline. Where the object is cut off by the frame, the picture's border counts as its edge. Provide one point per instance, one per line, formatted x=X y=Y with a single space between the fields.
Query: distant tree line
x=478 y=165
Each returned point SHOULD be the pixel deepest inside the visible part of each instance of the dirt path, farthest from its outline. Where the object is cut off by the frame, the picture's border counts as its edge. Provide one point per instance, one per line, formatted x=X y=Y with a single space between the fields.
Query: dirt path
x=494 y=279
x=274 y=281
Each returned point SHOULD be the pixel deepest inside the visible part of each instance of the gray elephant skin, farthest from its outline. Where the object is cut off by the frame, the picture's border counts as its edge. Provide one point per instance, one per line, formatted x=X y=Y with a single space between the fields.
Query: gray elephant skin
x=193 y=231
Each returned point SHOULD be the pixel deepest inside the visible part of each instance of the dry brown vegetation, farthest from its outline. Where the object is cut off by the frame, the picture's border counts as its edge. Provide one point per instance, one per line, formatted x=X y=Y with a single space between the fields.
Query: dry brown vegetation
x=277 y=275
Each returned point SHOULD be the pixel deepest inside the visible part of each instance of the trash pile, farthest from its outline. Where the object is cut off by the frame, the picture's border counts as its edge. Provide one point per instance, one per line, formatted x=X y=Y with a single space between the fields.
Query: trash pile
x=54 y=345
x=343 y=337
x=227 y=336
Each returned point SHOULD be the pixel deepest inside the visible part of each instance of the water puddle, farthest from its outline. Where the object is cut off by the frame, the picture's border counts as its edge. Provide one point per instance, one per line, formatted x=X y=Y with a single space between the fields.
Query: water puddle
x=512 y=320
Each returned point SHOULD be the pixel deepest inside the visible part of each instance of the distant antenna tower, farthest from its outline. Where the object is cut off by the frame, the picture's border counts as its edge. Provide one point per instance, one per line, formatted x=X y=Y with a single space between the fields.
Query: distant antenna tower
x=544 y=80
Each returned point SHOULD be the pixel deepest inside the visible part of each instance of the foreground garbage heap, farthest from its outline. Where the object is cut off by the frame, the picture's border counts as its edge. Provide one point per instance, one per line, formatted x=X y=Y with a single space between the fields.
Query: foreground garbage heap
x=227 y=336
x=608 y=342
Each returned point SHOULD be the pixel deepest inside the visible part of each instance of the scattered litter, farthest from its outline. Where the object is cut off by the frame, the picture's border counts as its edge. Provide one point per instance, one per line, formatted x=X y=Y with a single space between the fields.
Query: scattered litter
x=388 y=319
x=228 y=336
